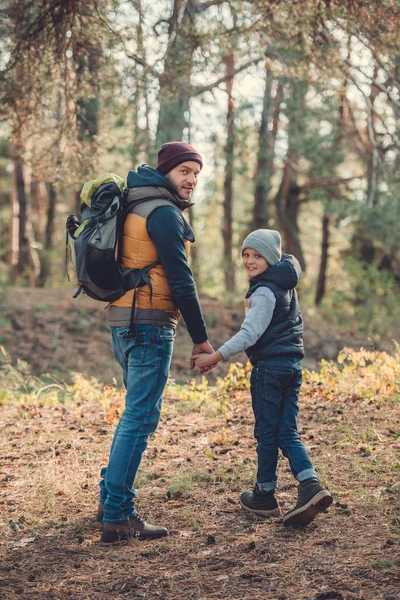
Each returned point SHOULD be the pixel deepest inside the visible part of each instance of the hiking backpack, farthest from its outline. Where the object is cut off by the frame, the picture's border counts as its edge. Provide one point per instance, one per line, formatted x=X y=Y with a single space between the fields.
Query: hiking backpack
x=94 y=244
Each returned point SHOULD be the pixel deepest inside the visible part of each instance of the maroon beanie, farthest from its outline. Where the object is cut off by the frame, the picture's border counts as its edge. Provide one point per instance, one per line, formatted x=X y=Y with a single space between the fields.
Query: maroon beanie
x=173 y=154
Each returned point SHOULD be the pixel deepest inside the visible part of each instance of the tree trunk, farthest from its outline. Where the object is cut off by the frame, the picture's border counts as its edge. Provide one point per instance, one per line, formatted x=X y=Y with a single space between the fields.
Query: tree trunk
x=51 y=212
x=373 y=155
x=229 y=267
x=34 y=261
x=326 y=220
x=141 y=135
x=24 y=256
x=264 y=162
x=21 y=199
x=175 y=89
x=14 y=239
x=45 y=262
x=287 y=200
x=286 y=224
x=87 y=112
x=39 y=205
x=323 y=265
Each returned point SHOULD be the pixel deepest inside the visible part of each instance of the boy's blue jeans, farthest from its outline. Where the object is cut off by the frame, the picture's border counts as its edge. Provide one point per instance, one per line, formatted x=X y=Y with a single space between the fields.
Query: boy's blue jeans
x=275 y=387
x=145 y=362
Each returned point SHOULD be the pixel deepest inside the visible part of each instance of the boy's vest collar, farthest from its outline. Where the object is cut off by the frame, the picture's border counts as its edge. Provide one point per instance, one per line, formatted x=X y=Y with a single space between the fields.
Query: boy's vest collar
x=284 y=275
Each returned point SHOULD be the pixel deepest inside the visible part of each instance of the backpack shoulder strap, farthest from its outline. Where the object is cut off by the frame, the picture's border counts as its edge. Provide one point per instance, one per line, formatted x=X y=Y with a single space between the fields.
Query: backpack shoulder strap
x=144 y=207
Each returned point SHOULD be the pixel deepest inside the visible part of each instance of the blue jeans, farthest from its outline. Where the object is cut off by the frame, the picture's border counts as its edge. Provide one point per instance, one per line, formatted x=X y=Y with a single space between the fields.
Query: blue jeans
x=145 y=362
x=275 y=387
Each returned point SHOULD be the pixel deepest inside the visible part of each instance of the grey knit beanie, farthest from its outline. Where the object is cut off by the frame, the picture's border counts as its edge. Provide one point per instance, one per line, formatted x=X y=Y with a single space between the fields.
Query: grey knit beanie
x=267 y=242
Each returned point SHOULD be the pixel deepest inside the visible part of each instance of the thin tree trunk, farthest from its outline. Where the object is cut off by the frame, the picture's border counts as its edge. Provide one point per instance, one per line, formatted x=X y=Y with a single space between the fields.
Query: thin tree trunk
x=14 y=239
x=27 y=259
x=228 y=182
x=288 y=227
x=34 y=261
x=141 y=136
x=136 y=138
x=373 y=155
x=275 y=117
x=39 y=203
x=326 y=220
x=87 y=113
x=142 y=51
x=51 y=212
x=45 y=263
x=175 y=88
x=264 y=162
x=20 y=194
x=287 y=200
x=321 y=282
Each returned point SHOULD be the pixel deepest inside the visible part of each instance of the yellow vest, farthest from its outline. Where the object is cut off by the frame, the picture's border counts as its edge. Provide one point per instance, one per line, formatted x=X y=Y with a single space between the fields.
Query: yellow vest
x=138 y=251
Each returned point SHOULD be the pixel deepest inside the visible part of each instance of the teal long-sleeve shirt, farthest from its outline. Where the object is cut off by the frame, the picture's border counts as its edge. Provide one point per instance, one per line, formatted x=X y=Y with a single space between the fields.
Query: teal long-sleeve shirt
x=166 y=227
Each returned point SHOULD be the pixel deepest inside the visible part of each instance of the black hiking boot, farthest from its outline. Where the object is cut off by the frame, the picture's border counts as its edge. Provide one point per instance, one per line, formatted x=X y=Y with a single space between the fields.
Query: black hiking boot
x=134 y=527
x=312 y=499
x=261 y=503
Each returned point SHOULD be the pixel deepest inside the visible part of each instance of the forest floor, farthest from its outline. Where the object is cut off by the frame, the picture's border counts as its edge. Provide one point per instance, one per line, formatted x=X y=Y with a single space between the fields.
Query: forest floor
x=56 y=333
x=196 y=465
x=201 y=458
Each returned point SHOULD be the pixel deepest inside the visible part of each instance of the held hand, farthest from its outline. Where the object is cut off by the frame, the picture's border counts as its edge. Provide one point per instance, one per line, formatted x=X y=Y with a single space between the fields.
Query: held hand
x=205 y=362
x=200 y=349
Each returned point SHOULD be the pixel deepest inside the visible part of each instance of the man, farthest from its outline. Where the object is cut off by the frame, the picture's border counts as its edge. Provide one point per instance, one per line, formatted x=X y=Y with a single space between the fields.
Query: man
x=155 y=231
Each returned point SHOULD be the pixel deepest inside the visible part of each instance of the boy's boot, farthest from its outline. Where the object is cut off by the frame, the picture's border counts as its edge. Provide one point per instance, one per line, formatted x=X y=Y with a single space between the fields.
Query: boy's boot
x=100 y=512
x=261 y=503
x=134 y=527
x=312 y=499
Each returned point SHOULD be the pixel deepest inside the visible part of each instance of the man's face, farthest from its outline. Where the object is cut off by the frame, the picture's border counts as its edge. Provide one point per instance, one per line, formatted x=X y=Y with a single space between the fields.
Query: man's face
x=184 y=178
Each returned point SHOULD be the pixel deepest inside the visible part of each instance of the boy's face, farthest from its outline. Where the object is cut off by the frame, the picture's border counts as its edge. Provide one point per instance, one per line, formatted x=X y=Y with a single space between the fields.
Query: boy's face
x=253 y=262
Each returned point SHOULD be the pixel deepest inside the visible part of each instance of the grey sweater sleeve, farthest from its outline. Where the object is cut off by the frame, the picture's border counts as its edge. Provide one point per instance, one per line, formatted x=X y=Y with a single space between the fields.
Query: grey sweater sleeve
x=258 y=317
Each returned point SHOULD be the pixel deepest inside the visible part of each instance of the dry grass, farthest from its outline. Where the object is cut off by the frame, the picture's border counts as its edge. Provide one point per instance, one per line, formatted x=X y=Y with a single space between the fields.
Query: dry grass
x=191 y=477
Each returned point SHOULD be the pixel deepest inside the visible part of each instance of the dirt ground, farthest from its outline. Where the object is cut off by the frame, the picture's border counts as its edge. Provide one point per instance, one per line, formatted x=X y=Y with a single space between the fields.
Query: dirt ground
x=194 y=470
x=56 y=333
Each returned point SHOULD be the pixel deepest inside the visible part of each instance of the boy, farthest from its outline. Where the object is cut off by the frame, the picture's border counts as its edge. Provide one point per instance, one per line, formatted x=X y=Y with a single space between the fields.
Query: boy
x=272 y=336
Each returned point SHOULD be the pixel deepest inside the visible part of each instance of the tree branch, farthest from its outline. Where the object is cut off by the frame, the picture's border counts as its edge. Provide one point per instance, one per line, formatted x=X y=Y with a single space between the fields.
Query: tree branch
x=205 y=5
x=138 y=59
x=196 y=91
x=321 y=181
x=375 y=82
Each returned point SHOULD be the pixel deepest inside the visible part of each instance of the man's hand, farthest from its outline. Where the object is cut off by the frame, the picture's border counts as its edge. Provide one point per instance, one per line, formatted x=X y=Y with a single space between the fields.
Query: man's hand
x=204 y=347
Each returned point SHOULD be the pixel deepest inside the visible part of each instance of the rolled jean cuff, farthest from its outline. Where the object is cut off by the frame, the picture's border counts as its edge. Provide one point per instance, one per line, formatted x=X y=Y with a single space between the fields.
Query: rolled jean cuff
x=267 y=486
x=132 y=514
x=306 y=474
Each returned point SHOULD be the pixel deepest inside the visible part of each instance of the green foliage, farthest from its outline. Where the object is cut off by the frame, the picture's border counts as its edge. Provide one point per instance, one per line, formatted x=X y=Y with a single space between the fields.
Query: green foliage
x=214 y=398
x=19 y=386
x=359 y=374
x=5 y=325
x=372 y=300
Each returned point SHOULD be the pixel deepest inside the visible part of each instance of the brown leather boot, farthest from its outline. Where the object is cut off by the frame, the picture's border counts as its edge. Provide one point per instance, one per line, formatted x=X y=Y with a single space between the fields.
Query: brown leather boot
x=134 y=527
x=100 y=512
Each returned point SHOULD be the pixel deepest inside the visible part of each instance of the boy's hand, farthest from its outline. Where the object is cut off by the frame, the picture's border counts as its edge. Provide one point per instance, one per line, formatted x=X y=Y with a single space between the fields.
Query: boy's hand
x=199 y=349
x=207 y=361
